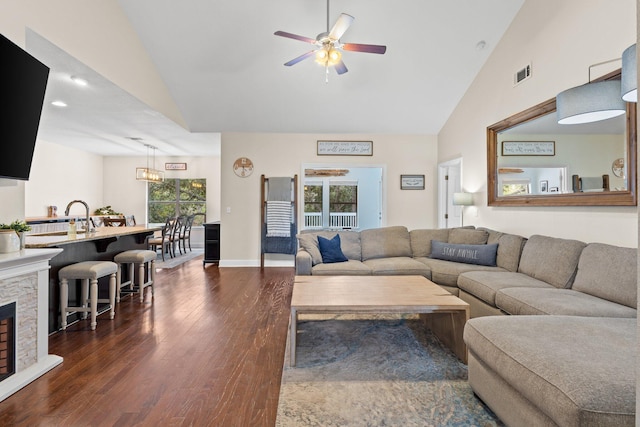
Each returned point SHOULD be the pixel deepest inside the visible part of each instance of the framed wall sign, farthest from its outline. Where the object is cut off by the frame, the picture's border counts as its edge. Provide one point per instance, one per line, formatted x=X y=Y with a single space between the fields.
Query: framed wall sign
x=345 y=148
x=175 y=166
x=412 y=182
x=528 y=148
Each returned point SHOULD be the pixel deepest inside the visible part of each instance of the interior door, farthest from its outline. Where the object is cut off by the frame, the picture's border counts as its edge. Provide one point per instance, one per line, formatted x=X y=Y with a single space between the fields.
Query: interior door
x=449 y=182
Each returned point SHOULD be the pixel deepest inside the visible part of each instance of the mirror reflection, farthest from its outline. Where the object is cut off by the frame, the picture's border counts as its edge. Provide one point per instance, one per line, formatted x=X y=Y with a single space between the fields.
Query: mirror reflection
x=533 y=161
x=541 y=157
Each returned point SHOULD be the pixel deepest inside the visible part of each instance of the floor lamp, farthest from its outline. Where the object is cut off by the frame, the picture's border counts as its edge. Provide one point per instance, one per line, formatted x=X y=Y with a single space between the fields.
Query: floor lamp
x=462 y=199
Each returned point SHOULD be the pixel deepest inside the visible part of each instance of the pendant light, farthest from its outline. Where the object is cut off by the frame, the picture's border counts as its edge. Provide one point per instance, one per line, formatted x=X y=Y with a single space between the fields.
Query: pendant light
x=590 y=102
x=630 y=74
x=150 y=174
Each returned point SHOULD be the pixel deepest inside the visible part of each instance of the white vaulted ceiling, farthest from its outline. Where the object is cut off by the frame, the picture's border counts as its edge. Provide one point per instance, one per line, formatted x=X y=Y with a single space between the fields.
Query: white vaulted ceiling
x=224 y=68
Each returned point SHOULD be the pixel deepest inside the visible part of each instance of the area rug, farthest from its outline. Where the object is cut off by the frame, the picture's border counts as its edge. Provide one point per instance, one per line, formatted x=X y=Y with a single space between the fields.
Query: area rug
x=178 y=259
x=376 y=372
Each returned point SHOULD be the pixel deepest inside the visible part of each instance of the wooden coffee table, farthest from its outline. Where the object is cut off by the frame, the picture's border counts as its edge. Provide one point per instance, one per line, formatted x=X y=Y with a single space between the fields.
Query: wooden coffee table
x=442 y=312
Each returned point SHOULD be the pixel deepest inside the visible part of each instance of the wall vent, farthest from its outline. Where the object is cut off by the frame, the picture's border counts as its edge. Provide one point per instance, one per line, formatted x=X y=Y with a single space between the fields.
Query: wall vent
x=522 y=74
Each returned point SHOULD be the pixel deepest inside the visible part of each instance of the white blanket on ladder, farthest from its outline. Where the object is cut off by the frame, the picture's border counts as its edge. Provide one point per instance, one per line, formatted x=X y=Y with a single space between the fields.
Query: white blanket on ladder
x=279 y=218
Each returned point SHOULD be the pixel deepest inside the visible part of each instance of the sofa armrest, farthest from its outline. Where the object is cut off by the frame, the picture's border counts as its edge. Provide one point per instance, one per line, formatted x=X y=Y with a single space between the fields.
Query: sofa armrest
x=303 y=263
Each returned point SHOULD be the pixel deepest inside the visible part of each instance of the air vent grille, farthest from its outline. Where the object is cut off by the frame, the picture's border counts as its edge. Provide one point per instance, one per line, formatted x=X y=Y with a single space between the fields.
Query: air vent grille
x=522 y=74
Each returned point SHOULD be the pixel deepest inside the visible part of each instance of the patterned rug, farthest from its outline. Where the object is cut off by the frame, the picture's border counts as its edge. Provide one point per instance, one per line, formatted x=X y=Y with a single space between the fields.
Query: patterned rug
x=375 y=372
x=178 y=259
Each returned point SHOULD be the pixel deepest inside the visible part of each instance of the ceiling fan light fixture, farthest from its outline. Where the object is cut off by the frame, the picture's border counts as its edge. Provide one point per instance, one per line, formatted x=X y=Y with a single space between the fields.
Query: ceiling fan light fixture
x=327 y=56
x=321 y=56
x=334 y=56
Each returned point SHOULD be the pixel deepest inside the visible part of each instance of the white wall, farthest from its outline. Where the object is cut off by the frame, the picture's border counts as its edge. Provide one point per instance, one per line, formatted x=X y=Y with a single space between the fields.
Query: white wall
x=561 y=40
x=127 y=195
x=59 y=175
x=284 y=154
x=99 y=35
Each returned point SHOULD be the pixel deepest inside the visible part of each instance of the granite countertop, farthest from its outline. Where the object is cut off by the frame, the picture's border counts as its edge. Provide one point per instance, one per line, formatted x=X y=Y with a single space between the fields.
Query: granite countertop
x=48 y=240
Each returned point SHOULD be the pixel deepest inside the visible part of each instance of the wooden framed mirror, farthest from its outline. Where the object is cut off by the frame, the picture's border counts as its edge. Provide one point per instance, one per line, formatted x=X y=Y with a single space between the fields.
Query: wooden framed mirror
x=544 y=164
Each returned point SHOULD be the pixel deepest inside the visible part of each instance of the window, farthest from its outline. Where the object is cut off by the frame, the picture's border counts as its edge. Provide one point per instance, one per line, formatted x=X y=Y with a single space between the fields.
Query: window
x=330 y=204
x=174 y=197
x=313 y=205
x=516 y=187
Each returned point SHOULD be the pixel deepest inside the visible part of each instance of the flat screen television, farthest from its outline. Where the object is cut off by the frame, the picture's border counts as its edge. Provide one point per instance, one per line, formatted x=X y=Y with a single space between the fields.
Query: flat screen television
x=23 y=82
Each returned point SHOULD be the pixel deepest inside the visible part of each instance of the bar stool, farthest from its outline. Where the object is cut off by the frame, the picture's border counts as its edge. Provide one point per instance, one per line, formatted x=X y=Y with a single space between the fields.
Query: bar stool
x=144 y=258
x=89 y=272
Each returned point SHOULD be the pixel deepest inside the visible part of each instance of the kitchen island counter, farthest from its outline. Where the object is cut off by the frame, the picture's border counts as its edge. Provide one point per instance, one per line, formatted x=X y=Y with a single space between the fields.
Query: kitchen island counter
x=57 y=239
x=102 y=245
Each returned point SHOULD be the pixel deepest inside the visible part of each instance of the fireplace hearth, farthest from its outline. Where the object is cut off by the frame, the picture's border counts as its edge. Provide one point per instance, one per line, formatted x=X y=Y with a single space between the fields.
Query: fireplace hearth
x=7 y=340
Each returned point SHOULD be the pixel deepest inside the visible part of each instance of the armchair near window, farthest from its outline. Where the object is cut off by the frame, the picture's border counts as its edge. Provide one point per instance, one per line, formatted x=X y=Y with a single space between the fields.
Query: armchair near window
x=590 y=183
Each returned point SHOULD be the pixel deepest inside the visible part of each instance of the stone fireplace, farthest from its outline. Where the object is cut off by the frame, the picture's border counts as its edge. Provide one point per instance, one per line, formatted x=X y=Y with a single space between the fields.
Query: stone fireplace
x=7 y=340
x=24 y=306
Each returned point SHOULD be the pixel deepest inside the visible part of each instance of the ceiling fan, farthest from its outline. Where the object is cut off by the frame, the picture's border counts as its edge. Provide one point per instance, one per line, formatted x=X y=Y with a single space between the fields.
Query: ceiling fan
x=328 y=51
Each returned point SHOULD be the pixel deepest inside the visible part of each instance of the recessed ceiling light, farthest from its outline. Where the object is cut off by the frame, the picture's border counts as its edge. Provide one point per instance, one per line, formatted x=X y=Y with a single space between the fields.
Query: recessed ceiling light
x=79 y=81
x=59 y=103
x=481 y=45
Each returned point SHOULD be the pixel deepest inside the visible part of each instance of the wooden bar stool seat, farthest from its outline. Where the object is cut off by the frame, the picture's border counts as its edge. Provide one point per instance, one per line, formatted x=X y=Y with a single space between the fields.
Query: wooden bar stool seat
x=143 y=258
x=89 y=272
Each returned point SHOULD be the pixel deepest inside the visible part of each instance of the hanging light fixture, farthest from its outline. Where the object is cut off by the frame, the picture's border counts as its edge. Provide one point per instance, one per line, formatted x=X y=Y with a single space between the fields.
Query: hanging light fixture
x=630 y=74
x=590 y=102
x=150 y=174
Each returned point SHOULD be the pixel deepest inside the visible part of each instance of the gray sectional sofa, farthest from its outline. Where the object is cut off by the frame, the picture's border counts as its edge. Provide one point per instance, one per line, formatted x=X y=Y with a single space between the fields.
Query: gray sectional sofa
x=552 y=339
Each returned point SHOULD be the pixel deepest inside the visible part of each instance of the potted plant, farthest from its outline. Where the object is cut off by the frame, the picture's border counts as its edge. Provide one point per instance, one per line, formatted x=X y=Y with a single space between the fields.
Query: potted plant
x=19 y=227
x=107 y=210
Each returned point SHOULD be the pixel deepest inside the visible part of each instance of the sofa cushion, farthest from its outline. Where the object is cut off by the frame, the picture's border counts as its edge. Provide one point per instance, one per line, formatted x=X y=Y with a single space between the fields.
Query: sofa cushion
x=577 y=370
x=484 y=284
x=397 y=266
x=385 y=242
x=349 y=268
x=330 y=249
x=608 y=272
x=568 y=302
x=551 y=259
x=468 y=254
x=509 y=248
x=349 y=243
x=421 y=240
x=446 y=272
x=467 y=236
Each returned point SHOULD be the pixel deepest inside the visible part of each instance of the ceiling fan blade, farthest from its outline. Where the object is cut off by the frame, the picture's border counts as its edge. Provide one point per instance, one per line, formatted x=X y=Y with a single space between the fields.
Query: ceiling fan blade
x=300 y=58
x=340 y=67
x=294 y=36
x=341 y=26
x=368 y=48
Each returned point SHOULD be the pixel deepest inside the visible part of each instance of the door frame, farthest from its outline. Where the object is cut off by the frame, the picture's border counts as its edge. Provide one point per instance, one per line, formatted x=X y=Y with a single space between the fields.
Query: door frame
x=444 y=191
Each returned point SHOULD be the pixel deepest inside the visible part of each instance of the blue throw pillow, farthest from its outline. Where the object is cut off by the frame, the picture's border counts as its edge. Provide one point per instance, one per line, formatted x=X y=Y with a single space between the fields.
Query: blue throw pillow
x=330 y=249
x=468 y=254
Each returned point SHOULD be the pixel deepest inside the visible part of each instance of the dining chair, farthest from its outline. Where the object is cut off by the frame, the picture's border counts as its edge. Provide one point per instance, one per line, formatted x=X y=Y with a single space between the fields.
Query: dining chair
x=185 y=236
x=115 y=222
x=178 y=233
x=164 y=241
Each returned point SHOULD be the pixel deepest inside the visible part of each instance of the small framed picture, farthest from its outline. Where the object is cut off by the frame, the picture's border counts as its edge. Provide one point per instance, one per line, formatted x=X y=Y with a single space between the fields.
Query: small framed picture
x=544 y=186
x=175 y=166
x=412 y=182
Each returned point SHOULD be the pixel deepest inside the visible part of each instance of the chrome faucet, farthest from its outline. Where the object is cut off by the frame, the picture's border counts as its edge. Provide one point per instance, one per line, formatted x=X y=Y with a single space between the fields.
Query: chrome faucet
x=87 y=227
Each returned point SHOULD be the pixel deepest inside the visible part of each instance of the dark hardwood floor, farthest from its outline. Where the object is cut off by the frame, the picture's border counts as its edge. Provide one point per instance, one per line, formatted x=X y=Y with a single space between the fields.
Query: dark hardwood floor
x=208 y=351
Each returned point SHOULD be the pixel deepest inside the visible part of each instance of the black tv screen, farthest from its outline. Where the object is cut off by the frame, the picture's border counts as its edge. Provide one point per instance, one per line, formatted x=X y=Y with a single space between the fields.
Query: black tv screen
x=23 y=82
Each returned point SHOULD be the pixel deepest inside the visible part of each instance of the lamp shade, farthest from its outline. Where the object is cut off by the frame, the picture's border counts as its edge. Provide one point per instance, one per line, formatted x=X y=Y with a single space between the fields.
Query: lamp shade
x=630 y=74
x=463 y=199
x=590 y=103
